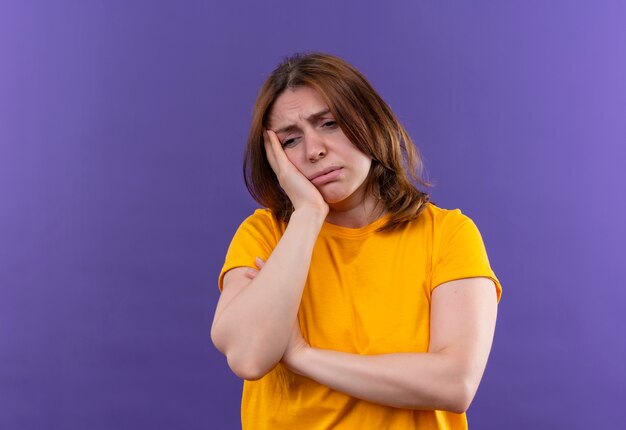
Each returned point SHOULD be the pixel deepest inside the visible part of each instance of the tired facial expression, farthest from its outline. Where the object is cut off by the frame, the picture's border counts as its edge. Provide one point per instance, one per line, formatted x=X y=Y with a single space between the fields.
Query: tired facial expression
x=316 y=145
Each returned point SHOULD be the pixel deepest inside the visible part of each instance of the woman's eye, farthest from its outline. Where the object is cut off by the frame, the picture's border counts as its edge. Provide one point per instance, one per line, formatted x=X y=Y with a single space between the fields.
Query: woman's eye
x=288 y=142
x=329 y=124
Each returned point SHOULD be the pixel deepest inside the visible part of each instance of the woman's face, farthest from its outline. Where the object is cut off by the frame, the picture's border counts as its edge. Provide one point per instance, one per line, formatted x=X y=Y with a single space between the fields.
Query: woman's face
x=316 y=145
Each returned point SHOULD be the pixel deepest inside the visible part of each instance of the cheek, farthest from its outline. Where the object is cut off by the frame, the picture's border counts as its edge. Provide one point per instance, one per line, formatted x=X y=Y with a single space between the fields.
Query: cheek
x=294 y=157
x=364 y=162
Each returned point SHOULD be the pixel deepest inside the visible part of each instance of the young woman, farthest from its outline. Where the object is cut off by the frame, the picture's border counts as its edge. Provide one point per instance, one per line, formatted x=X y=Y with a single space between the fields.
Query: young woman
x=350 y=301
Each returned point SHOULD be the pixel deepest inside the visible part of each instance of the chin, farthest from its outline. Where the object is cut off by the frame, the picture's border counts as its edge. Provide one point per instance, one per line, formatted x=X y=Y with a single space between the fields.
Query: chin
x=334 y=198
x=337 y=193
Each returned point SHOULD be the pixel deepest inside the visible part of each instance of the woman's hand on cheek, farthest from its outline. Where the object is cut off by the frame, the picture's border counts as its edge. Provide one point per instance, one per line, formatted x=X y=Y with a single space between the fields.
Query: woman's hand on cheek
x=301 y=192
x=296 y=350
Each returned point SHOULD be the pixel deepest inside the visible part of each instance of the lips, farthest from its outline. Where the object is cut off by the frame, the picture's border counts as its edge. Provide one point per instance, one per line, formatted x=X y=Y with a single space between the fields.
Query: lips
x=325 y=175
x=323 y=172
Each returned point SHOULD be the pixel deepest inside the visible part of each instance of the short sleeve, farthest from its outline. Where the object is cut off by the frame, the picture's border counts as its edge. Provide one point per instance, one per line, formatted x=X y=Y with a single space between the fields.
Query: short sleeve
x=257 y=236
x=460 y=252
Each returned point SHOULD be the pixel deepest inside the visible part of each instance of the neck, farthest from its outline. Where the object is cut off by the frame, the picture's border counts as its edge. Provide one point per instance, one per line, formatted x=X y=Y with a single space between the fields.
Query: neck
x=357 y=215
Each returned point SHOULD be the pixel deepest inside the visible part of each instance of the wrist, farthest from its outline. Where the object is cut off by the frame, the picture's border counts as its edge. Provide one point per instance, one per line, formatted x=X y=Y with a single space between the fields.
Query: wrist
x=297 y=361
x=311 y=213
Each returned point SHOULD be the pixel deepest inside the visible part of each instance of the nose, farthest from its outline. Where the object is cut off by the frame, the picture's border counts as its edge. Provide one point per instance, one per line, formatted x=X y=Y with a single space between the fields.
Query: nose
x=316 y=148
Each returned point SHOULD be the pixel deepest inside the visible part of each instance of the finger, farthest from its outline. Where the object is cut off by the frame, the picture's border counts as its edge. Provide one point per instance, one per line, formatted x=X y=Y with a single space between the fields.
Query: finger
x=273 y=138
x=259 y=262
x=270 y=150
x=277 y=152
x=251 y=273
x=276 y=146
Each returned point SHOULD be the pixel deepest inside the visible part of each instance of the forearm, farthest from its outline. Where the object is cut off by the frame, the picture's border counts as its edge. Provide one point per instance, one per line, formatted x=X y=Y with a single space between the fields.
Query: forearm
x=254 y=327
x=403 y=380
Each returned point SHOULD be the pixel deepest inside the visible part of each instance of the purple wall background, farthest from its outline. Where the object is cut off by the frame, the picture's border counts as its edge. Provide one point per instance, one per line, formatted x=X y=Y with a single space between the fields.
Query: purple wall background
x=121 y=134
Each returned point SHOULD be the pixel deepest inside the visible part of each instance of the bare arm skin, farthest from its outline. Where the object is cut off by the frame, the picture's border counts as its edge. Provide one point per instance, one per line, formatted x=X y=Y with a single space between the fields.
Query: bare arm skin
x=256 y=325
x=463 y=316
x=253 y=319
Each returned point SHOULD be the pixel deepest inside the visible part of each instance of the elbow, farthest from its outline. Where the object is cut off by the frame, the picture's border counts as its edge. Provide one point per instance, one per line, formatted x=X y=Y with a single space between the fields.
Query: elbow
x=459 y=384
x=245 y=361
x=247 y=369
x=217 y=339
x=460 y=397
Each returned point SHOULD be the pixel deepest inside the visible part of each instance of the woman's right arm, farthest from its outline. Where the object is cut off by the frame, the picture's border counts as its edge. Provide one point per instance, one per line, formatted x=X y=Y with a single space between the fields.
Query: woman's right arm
x=254 y=317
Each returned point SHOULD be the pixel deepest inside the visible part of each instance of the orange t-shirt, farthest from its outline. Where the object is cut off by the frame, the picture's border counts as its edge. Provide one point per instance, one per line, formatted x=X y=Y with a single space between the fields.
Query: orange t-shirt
x=367 y=292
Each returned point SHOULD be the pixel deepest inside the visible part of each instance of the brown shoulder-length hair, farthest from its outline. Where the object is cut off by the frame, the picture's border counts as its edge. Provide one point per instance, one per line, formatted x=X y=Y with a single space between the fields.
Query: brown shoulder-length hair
x=365 y=119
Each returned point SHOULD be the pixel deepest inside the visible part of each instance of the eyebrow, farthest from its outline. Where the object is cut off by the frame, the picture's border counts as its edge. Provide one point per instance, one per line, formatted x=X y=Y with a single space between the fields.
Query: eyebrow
x=311 y=118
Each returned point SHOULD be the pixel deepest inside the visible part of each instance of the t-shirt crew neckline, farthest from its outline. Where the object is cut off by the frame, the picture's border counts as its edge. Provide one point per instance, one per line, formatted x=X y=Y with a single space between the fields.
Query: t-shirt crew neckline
x=337 y=230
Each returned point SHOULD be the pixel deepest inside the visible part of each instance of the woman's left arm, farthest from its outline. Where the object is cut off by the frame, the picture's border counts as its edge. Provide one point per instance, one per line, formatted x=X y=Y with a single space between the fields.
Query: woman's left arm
x=462 y=323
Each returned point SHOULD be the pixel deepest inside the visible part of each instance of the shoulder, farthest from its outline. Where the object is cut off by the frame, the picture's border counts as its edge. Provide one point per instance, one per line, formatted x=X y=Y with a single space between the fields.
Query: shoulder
x=444 y=215
x=438 y=219
x=451 y=227
x=261 y=227
x=262 y=219
x=261 y=215
x=256 y=236
x=458 y=249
